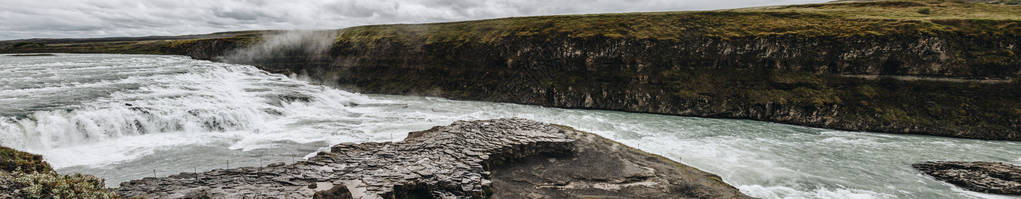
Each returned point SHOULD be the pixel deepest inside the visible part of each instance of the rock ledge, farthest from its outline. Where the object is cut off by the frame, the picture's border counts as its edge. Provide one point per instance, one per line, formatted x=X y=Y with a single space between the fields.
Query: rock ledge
x=504 y=158
x=987 y=177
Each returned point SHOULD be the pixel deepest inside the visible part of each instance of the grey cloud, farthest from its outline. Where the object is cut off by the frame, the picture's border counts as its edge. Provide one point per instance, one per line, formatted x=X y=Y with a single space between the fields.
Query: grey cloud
x=237 y=14
x=356 y=9
x=106 y=18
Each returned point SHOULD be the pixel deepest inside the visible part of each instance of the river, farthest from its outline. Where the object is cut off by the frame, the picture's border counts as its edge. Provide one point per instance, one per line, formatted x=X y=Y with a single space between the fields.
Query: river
x=124 y=117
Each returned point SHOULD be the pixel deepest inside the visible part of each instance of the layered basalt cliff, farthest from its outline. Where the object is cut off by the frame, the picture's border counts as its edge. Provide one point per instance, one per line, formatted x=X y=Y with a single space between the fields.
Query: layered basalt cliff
x=805 y=81
x=900 y=71
x=885 y=66
x=504 y=158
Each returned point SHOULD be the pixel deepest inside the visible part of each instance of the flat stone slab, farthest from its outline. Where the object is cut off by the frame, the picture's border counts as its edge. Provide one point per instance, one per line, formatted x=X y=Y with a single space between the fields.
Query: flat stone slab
x=503 y=158
x=986 y=177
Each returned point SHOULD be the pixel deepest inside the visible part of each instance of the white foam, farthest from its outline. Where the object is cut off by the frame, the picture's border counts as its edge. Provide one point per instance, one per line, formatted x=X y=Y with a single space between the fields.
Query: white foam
x=114 y=150
x=225 y=102
x=975 y=195
x=760 y=191
x=857 y=141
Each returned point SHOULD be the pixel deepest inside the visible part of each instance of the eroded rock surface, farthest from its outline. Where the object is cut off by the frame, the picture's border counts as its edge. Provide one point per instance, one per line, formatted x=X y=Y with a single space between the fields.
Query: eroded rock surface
x=988 y=177
x=505 y=158
x=602 y=168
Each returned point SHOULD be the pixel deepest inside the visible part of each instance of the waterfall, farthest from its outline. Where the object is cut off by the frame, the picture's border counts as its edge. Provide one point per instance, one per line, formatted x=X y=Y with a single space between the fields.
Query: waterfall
x=162 y=95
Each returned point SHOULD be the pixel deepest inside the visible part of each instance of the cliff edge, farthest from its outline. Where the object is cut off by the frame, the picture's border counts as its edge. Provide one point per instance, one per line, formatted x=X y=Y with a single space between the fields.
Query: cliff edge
x=26 y=175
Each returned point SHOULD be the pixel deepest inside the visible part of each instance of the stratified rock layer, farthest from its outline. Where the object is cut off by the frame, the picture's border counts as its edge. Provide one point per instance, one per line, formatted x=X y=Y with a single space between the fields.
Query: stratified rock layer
x=506 y=158
x=988 y=177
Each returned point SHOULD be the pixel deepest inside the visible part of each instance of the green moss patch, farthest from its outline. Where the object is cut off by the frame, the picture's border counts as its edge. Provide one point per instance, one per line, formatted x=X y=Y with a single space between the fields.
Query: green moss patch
x=52 y=185
x=13 y=160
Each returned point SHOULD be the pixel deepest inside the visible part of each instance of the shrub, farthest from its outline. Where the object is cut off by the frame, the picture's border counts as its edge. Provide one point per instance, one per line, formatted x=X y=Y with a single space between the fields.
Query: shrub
x=13 y=160
x=52 y=185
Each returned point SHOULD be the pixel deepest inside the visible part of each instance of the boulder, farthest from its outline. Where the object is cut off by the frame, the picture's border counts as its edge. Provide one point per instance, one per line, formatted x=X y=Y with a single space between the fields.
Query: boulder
x=986 y=177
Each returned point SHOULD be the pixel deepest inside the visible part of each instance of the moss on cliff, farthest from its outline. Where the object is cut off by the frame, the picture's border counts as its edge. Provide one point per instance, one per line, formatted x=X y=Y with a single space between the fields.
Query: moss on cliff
x=26 y=175
x=839 y=19
x=829 y=19
x=49 y=184
x=13 y=160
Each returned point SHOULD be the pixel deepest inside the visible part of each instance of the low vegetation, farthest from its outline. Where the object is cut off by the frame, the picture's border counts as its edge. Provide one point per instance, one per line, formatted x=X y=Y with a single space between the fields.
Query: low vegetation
x=25 y=175
x=838 y=19
x=829 y=19
x=13 y=160
x=179 y=45
x=52 y=185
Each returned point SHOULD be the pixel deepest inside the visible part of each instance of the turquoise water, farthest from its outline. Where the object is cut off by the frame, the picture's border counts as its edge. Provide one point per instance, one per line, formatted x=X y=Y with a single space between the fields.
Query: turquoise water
x=124 y=117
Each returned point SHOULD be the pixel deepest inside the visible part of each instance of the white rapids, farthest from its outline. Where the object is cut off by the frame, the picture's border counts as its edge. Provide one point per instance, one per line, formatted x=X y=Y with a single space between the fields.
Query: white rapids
x=124 y=117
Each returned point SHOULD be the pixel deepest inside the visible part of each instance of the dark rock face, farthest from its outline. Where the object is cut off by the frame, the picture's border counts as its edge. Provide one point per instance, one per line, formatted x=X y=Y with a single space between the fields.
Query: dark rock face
x=987 y=177
x=907 y=83
x=506 y=158
x=337 y=192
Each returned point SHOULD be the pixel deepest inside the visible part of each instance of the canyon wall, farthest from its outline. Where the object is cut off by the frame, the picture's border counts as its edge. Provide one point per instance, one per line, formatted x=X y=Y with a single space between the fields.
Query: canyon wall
x=901 y=84
x=945 y=74
x=944 y=83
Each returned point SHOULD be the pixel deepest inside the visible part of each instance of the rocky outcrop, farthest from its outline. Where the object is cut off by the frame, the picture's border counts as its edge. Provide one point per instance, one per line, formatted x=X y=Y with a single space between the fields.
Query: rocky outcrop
x=17 y=161
x=986 y=177
x=601 y=168
x=26 y=175
x=505 y=158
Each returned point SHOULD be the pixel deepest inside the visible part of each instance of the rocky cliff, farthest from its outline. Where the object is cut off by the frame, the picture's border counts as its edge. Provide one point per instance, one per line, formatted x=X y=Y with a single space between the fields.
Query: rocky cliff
x=942 y=68
x=505 y=158
x=25 y=175
x=895 y=70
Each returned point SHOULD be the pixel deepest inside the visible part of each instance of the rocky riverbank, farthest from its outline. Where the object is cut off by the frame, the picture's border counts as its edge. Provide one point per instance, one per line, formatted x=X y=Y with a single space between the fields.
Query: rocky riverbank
x=25 y=175
x=878 y=66
x=504 y=158
x=986 y=177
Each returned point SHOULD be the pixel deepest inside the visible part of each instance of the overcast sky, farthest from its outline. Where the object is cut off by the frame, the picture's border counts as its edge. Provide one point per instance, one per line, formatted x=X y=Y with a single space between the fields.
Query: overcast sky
x=21 y=19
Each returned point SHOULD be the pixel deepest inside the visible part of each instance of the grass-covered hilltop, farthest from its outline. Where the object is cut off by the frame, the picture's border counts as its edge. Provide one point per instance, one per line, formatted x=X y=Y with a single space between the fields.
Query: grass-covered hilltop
x=945 y=68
